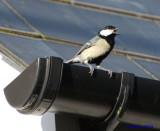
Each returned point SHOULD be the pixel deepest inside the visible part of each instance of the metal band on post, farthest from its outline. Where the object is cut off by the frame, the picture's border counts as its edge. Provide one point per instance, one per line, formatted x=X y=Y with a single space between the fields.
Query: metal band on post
x=126 y=90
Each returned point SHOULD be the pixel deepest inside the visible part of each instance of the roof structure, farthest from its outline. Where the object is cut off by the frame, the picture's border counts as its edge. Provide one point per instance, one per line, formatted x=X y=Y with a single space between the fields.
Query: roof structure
x=40 y=28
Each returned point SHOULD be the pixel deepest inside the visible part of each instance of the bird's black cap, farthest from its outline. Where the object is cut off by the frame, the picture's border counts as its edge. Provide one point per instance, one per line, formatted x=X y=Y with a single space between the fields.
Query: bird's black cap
x=110 y=27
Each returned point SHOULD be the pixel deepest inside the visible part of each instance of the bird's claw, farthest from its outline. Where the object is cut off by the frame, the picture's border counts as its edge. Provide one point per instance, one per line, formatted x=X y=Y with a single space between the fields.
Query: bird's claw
x=91 y=71
x=109 y=73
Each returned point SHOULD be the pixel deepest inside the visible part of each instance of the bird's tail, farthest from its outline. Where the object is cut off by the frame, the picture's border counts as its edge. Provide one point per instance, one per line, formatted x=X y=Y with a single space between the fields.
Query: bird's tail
x=69 y=61
x=74 y=60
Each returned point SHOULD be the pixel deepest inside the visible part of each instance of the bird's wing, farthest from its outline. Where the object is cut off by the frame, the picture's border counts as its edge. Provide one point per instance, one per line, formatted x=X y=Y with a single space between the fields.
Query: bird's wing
x=88 y=44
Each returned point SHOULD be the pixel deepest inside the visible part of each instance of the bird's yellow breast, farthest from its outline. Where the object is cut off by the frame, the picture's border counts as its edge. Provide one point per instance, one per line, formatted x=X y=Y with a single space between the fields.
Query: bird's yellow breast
x=98 y=49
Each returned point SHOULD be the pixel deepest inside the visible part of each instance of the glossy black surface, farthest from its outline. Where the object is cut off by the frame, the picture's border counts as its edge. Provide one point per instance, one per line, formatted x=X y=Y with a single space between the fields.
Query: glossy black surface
x=144 y=106
x=53 y=86
x=23 y=92
x=80 y=95
x=80 y=25
x=33 y=91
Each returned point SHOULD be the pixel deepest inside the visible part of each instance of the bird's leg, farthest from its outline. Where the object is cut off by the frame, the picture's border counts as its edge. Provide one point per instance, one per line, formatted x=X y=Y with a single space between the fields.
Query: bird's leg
x=109 y=71
x=90 y=67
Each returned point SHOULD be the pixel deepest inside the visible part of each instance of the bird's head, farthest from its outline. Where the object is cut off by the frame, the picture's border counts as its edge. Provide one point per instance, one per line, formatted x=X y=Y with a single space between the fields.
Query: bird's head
x=108 y=31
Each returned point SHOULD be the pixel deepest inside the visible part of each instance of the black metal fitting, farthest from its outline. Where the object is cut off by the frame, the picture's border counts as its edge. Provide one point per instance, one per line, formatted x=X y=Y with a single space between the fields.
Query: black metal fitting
x=51 y=85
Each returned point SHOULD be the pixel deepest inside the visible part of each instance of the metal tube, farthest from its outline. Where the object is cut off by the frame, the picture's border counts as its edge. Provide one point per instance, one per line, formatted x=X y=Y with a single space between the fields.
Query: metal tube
x=50 y=85
x=85 y=95
x=144 y=106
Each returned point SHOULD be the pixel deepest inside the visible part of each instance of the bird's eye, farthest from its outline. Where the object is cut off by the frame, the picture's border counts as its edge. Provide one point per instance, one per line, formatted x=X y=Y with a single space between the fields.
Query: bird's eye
x=109 y=27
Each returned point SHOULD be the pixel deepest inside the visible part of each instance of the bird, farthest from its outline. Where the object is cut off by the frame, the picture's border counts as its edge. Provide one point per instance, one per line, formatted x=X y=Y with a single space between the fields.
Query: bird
x=96 y=49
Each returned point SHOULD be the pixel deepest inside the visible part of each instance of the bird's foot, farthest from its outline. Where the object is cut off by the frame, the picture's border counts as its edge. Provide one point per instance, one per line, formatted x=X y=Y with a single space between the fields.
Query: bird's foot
x=109 y=71
x=91 y=71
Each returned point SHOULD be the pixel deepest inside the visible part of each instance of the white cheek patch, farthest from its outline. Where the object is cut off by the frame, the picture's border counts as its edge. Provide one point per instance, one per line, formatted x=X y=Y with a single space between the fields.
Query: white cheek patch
x=106 y=32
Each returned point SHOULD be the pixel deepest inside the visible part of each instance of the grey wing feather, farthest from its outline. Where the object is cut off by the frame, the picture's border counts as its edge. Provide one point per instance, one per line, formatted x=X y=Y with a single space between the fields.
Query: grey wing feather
x=88 y=44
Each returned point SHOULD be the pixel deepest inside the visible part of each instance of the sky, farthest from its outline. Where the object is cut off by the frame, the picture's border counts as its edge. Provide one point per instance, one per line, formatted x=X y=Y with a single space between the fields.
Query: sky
x=10 y=119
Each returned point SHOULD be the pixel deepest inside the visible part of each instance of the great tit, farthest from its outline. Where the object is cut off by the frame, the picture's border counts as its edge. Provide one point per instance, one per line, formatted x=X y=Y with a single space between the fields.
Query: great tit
x=95 y=50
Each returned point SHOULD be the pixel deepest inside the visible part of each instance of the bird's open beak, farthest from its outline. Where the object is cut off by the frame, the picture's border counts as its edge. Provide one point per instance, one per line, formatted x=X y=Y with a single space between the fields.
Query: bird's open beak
x=116 y=32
